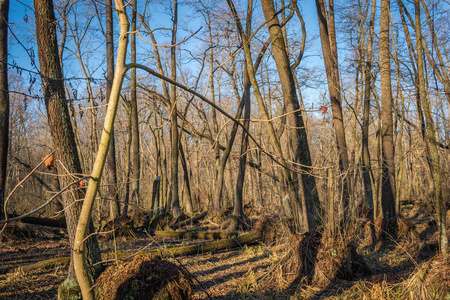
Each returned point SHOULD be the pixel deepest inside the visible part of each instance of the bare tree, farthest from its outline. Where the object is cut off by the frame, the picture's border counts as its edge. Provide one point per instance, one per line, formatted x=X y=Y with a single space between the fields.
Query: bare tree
x=62 y=135
x=176 y=211
x=79 y=248
x=135 y=144
x=4 y=100
x=366 y=169
x=111 y=192
x=330 y=57
x=387 y=136
x=297 y=133
x=431 y=135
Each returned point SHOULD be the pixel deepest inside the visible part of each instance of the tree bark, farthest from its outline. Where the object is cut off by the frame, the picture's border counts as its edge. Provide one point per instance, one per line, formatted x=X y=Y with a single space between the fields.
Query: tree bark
x=387 y=137
x=366 y=169
x=189 y=206
x=329 y=50
x=297 y=133
x=176 y=211
x=135 y=151
x=80 y=247
x=4 y=100
x=62 y=134
x=111 y=192
x=431 y=135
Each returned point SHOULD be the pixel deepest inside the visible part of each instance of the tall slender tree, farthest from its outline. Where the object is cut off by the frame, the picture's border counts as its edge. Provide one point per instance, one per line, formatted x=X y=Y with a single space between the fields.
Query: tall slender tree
x=110 y=172
x=431 y=135
x=297 y=132
x=4 y=99
x=135 y=147
x=330 y=57
x=367 y=174
x=80 y=255
x=176 y=211
x=387 y=130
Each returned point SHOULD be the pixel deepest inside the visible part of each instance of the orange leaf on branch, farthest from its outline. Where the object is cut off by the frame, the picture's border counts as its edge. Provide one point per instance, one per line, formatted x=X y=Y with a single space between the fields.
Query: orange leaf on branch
x=323 y=109
x=49 y=162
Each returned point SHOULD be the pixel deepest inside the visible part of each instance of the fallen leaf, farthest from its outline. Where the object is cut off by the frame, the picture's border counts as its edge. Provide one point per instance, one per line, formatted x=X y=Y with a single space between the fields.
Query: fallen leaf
x=323 y=109
x=49 y=162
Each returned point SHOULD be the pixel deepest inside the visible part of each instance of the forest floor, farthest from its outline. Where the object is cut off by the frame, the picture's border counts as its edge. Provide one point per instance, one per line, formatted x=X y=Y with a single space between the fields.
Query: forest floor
x=402 y=271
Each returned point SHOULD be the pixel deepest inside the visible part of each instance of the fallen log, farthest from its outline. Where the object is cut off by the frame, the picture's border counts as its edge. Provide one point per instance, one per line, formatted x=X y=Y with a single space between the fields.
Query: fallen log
x=58 y=223
x=192 y=220
x=246 y=238
x=205 y=235
x=43 y=264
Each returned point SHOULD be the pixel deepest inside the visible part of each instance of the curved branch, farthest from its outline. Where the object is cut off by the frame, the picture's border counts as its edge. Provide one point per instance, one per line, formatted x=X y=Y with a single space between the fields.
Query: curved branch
x=203 y=98
x=46 y=203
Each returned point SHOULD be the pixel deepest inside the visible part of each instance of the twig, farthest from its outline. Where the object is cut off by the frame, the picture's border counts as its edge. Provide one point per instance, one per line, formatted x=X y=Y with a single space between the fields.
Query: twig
x=23 y=180
x=45 y=204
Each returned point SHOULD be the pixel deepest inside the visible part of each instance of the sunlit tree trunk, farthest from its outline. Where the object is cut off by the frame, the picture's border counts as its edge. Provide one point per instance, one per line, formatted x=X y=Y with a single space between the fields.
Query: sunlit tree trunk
x=79 y=251
x=62 y=135
x=297 y=133
x=367 y=173
x=431 y=135
x=387 y=137
x=189 y=208
x=329 y=50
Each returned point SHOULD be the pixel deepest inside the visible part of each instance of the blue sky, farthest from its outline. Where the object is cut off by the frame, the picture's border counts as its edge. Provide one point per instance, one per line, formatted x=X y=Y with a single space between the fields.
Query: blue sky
x=22 y=24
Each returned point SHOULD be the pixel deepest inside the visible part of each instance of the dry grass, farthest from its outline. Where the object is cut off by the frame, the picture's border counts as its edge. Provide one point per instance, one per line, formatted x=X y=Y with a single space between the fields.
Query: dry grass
x=284 y=266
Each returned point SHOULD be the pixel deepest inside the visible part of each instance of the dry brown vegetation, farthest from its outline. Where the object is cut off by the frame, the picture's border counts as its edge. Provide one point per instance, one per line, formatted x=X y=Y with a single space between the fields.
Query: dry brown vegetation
x=281 y=265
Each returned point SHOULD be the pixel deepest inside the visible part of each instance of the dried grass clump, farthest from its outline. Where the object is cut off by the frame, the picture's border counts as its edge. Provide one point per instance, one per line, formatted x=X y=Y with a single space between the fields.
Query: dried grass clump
x=119 y=227
x=297 y=259
x=337 y=259
x=142 y=279
x=274 y=230
x=431 y=280
x=322 y=259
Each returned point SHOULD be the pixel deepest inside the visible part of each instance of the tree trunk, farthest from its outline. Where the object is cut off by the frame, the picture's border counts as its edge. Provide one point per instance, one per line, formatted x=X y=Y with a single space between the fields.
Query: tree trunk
x=387 y=137
x=297 y=134
x=329 y=50
x=4 y=100
x=367 y=172
x=135 y=151
x=176 y=211
x=292 y=189
x=79 y=253
x=189 y=207
x=62 y=135
x=111 y=192
x=431 y=135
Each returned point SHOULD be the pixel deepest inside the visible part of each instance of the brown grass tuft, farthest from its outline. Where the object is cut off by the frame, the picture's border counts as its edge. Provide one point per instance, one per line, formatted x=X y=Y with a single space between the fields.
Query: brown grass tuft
x=142 y=279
